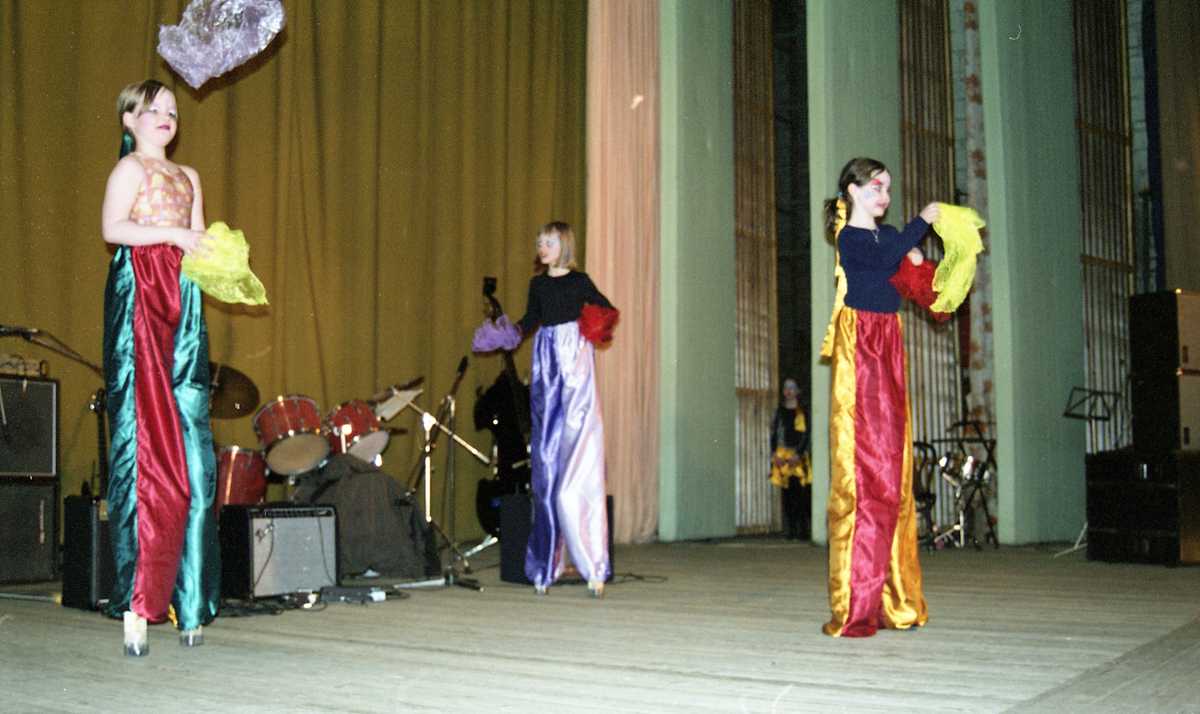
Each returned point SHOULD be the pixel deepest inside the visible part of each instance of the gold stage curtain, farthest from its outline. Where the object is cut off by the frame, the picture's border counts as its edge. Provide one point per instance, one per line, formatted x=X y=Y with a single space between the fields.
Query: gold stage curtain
x=382 y=157
x=622 y=248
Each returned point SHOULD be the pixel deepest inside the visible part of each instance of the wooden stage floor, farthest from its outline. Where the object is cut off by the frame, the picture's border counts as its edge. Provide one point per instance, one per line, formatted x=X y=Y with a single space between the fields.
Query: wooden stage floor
x=729 y=626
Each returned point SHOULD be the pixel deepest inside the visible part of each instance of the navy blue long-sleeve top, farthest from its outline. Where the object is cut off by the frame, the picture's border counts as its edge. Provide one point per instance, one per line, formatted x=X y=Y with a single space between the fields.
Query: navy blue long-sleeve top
x=553 y=301
x=870 y=259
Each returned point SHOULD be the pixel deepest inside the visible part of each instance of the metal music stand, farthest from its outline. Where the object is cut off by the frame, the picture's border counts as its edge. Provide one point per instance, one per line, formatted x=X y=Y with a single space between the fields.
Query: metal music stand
x=423 y=471
x=1088 y=405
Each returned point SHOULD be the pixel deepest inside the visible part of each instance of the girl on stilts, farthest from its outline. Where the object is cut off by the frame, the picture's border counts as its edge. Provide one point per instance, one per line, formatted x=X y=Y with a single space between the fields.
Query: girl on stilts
x=874 y=572
x=567 y=440
x=162 y=465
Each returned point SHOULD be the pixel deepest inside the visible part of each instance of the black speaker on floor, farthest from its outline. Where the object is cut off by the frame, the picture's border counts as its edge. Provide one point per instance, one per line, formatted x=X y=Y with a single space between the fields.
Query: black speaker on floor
x=516 y=514
x=277 y=549
x=29 y=429
x=88 y=571
x=28 y=530
x=1143 y=508
x=516 y=510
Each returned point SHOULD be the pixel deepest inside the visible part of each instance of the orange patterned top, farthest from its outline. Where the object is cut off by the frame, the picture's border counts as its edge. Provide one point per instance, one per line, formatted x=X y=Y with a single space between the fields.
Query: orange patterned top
x=165 y=196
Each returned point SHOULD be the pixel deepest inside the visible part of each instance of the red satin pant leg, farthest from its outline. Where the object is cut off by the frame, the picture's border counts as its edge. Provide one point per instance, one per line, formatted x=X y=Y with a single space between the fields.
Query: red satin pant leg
x=871 y=481
x=163 y=489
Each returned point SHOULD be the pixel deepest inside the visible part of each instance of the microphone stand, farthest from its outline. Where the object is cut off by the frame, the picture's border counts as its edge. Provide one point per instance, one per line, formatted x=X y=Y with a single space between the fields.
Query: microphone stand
x=62 y=349
x=446 y=412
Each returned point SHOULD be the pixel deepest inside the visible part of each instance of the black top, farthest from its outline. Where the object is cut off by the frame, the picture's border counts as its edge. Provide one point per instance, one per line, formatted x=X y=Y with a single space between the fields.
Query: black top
x=871 y=258
x=783 y=431
x=553 y=301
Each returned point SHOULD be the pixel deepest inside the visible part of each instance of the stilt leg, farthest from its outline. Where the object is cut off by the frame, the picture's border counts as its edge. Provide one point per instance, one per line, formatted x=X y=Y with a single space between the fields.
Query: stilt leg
x=135 y=635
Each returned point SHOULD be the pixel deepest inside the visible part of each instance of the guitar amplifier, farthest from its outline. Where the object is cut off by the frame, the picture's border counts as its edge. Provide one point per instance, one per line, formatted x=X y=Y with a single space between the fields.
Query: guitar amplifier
x=272 y=549
x=28 y=529
x=88 y=570
x=29 y=427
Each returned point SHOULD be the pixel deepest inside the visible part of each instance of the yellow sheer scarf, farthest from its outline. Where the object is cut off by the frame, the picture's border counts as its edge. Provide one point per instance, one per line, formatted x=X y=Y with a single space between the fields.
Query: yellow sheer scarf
x=226 y=274
x=959 y=228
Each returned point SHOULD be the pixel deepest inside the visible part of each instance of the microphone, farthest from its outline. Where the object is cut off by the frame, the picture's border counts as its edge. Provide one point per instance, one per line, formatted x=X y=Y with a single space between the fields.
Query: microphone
x=18 y=330
x=462 y=366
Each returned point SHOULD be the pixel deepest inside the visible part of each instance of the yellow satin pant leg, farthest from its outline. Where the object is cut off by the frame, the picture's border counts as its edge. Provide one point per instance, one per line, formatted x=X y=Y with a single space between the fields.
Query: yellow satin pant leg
x=903 y=604
x=842 y=486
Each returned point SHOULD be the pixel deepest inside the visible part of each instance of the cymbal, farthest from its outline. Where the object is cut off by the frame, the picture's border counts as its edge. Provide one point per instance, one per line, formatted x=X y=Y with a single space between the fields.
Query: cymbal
x=392 y=391
x=231 y=393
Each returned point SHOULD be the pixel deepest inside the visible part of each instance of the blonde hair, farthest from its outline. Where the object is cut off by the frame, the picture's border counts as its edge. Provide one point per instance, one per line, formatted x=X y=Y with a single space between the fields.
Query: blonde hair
x=566 y=238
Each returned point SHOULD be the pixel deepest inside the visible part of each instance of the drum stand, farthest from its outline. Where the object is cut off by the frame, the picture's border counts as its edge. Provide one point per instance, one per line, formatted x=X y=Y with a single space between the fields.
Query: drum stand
x=428 y=422
x=969 y=483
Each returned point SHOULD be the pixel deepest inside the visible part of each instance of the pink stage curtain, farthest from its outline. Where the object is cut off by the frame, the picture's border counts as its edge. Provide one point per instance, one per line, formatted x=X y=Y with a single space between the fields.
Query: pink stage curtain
x=622 y=247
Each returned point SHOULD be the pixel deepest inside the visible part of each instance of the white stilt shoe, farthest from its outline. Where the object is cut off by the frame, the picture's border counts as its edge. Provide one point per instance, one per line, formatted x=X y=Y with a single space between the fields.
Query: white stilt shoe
x=135 y=635
x=192 y=638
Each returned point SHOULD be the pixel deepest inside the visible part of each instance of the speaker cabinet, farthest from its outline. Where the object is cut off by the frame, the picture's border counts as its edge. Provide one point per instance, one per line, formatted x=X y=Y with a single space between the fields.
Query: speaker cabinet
x=516 y=515
x=1166 y=412
x=1164 y=334
x=88 y=572
x=28 y=530
x=516 y=512
x=29 y=426
x=1144 y=508
x=277 y=549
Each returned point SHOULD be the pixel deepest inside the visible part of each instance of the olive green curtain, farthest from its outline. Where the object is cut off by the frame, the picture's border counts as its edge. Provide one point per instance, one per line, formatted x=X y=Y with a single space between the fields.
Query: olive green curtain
x=381 y=158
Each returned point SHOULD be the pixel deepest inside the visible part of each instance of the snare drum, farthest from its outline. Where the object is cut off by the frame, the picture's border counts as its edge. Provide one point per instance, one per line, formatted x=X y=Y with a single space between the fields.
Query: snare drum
x=355 y=426
x=241 y=477
x=290 y=431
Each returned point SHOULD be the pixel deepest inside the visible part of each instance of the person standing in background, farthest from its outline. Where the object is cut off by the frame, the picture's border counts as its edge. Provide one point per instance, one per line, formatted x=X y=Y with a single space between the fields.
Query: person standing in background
x=791 y=463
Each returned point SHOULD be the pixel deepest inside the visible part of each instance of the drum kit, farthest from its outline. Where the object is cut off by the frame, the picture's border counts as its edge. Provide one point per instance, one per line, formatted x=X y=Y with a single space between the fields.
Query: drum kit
x=293 y=436
x=296 y=439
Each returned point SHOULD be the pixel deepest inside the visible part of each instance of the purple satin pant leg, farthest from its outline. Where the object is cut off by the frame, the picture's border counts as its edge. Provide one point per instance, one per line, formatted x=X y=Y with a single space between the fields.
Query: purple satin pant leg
x=567 y=451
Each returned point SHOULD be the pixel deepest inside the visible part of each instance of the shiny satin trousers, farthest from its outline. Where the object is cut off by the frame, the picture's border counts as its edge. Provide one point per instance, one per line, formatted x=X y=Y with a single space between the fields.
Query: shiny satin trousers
x=567 y=450
x=162 y=467
x=874 y=571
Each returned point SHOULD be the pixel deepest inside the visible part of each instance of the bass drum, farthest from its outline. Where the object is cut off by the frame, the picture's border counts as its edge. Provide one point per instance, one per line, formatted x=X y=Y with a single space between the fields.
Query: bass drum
x=241 y=477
